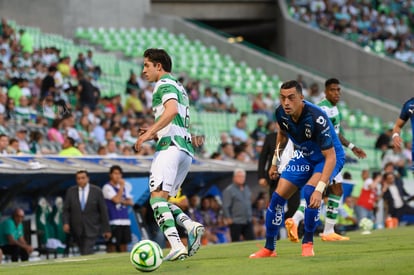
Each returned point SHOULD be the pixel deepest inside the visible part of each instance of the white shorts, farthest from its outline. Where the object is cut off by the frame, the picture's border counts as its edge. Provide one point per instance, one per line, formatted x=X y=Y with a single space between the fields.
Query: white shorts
x=339 y=178
x=169 y=169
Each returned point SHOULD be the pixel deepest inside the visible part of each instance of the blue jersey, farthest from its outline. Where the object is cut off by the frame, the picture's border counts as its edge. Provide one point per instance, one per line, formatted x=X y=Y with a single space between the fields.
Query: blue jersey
x=313 y=133
x=407 y=112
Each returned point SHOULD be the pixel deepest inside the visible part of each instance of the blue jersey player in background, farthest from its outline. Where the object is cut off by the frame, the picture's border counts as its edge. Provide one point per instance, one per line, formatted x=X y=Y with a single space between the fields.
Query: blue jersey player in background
x=317 y=158
x=407 y=112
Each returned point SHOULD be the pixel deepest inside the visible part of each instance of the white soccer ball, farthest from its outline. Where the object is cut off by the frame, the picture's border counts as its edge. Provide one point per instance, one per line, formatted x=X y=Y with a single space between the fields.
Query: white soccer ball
x=146 y=256
x=366 y=225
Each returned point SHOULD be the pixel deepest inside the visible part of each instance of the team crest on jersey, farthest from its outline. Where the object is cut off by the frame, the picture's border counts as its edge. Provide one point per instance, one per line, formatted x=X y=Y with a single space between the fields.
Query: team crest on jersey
x=308 y=132
x=321 y=120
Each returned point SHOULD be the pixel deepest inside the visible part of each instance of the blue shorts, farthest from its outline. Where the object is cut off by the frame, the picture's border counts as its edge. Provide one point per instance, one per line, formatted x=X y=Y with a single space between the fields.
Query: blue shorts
x=299 y=170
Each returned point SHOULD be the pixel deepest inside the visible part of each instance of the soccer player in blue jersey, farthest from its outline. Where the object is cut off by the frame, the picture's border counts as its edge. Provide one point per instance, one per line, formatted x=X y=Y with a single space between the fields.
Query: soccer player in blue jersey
x=317 y=158
x=407 y=112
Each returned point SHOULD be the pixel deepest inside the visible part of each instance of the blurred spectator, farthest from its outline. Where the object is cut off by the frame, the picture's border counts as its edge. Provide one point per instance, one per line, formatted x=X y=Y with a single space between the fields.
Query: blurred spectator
x=118 y=198
x=259 y=133
x=12 y=241
x=397 y=157
x=208 y=102
x=238 y=132
x=132 y=83
x=93 y=69
x=396 y=197
x=35 y=143
x=208 y=220
x=84 y=129
x=15 y=91
x=227 y=151
x=227 y=100
x=13 y=148
x=21 y=136
x=258 y=216
x=4 y=142
x=133 y=104
x=111 y=148
x=315 y=96
x=69 y=149
x=64 y=67
x=85 y=215
x=26 y=41
x=53 y=133
x=102 y=151
x=347 y=220
x=80 y=65
x=366 y=202
x=383 y=141
x=68 y=126
x=259 y=106
x=237 y=207
x=88 y=94
x=48 y=83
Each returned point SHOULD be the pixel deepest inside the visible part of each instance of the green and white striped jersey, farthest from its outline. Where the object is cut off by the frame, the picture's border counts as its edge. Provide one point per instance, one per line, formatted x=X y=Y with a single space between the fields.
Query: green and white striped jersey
x=333 y=114
x=177 y=132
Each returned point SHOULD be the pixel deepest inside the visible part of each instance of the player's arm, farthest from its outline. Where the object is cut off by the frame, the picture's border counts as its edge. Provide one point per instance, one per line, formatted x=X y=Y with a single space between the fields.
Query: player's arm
x=170 y=111
x=330 y=162
x=360 y=153
x=396 y=138
x=281 y=141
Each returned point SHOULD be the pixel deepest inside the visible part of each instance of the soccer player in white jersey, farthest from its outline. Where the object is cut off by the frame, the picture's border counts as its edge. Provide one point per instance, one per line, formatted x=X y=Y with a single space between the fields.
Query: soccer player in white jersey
x=174 y=153
x=332 y=97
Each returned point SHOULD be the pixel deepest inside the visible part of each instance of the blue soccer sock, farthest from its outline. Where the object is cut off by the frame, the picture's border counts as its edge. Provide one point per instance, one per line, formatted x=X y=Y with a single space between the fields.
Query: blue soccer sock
x=274 y=217
x=311 y=216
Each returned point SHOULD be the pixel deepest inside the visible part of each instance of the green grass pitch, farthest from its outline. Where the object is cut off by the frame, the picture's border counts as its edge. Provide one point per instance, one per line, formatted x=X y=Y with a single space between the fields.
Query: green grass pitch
x=388 y=251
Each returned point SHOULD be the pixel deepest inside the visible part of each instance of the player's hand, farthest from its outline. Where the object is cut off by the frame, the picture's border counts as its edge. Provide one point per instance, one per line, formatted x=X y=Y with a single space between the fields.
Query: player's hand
x=66 y=228
x=107 y=235
x=122 y=182
x=315 y=200
x=359 y=152
x=273 y=173
x=397 y=140
x=263 y=182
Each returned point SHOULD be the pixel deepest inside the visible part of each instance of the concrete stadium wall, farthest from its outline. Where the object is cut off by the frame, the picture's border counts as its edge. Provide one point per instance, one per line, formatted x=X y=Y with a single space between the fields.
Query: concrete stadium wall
x=63 y=16
x=382 y=77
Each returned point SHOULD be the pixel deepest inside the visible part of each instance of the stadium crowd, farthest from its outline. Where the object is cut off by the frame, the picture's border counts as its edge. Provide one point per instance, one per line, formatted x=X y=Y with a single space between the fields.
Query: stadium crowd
x=385 y=26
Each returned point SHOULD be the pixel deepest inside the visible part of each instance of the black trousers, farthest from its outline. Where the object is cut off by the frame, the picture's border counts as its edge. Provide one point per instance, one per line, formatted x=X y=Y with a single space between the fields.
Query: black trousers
x=238 y=230
x=15 y=252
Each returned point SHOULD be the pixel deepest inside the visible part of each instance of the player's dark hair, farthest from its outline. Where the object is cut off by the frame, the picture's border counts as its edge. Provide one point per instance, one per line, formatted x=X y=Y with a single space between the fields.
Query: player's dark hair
x=159 y=56
x=331 y=81
x=292 y=84
x=115 y=167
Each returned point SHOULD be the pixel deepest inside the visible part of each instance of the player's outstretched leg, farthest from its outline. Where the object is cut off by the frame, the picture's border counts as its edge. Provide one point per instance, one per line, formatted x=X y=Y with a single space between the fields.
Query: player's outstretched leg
x=165 y=220
x=194 y=229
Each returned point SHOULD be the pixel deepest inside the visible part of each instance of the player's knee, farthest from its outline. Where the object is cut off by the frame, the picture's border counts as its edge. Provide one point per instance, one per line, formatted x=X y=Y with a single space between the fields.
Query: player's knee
x=307 y=192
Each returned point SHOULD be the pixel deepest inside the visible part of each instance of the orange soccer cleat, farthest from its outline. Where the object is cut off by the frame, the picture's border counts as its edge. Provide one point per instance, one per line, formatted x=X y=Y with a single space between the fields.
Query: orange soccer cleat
x=263 y=253
x=333 y=237
x=292 y=230
x=307 y=250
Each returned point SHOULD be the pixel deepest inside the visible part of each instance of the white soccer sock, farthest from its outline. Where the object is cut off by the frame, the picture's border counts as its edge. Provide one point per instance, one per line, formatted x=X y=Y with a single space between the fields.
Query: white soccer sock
x=300 y=212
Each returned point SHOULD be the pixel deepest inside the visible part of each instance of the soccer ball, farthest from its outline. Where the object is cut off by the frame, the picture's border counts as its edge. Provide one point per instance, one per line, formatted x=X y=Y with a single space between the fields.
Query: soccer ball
x=366 y=225
x=146 y=256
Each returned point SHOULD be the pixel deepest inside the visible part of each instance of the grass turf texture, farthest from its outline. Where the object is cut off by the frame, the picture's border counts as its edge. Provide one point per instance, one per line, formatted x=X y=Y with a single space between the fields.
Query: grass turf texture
x=388 y=251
